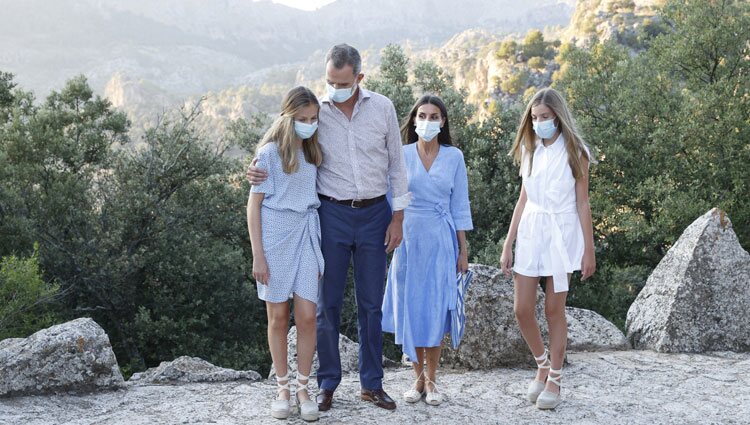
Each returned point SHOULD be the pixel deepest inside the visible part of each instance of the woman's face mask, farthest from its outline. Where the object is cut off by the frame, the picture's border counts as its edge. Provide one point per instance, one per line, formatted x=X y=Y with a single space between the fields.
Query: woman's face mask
x=427 y=130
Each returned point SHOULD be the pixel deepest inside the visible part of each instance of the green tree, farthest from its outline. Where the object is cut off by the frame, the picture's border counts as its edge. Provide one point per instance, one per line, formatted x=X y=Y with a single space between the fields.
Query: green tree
x=516 y=82
x=430 y=78
x=534 y=44
x=537 y=63
x=27 y=302
x=6 y=94
x=151 y=243
x=494 y=183
x=393 y=78
x=671 y=127
x=508 y=50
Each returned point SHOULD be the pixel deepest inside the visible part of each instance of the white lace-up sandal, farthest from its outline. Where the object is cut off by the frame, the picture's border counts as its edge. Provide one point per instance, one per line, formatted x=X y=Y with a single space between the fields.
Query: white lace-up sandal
x=434 y=397
x=280 y=408
x=536 y=387
x=412 y=395
x=549 y=400
x=308 y=409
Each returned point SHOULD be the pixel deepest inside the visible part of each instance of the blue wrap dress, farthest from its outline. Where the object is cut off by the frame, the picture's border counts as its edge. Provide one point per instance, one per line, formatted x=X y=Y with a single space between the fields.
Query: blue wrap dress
x=421 y=286
x=290 y=227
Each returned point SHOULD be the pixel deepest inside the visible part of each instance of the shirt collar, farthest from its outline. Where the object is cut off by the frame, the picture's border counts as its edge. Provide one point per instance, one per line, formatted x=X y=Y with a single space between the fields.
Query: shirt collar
x=556 y=145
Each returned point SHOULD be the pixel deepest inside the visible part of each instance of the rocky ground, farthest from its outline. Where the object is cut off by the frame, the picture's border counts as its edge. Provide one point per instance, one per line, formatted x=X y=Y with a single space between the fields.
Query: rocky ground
x=614 y=387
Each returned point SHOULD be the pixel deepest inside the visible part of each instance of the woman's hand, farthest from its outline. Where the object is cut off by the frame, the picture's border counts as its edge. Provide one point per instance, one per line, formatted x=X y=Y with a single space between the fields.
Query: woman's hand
x=260 y=270
x=588 y=264
x=463 y=262
x=506 y=261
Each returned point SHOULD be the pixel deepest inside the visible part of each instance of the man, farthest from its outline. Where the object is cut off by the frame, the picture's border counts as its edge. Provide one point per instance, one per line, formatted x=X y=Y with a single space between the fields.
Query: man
x=362 y=158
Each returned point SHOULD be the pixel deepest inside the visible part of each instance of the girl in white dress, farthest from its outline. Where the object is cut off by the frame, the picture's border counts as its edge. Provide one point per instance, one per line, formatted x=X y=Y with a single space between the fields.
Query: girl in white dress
x=552 y=229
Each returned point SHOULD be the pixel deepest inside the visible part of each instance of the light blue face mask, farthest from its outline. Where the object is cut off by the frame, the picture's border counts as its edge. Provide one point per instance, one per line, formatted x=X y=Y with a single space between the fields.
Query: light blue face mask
x=304 y=130
x=427 y=130
x=341 y=95
x=545 y=129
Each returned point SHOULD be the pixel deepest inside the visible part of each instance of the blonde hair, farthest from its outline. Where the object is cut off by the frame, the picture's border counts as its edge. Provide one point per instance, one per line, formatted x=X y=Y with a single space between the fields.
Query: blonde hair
x=282 y=131
x=564 y=121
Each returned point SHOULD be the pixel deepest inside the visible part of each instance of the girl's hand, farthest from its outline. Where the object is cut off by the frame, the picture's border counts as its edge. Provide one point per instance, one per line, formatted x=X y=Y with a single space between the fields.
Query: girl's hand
x=463 y=262
x=506 y=261
x=588 y=265
x=260 y=270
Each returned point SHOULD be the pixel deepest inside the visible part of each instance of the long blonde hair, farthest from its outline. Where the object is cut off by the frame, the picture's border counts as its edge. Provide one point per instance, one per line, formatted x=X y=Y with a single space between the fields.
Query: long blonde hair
x=564 y=121
x=282 y=131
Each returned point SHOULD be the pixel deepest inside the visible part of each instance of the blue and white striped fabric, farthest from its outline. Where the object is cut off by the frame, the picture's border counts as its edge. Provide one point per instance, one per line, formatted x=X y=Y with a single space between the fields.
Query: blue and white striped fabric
x=458 y=316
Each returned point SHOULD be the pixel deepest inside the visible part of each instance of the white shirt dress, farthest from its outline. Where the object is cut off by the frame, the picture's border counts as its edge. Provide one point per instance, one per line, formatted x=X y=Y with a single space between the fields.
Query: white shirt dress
x=550 y=239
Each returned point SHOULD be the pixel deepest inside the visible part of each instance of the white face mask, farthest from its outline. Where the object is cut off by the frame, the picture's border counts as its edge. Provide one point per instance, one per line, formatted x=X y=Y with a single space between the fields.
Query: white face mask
x=341 y=95
x=545 y=129
x=304 y=130
x=427 y=130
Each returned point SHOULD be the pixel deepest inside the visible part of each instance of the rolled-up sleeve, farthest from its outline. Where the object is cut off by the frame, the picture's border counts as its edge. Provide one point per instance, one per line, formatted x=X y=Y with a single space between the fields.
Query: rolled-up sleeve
x=265 y=161
x=460 y=205
x=396 y=165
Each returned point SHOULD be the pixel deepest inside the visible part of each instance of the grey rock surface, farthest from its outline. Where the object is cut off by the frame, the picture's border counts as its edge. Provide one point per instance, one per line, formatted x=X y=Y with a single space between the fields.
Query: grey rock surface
x=616 y=387
x=589 y=331
x=71 y=357
x=187 y=369
x=697 y=298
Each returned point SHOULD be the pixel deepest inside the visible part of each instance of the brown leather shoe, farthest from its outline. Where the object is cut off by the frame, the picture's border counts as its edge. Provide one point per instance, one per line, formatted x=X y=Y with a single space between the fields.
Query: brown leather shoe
x=379 y=398
x=324 y=399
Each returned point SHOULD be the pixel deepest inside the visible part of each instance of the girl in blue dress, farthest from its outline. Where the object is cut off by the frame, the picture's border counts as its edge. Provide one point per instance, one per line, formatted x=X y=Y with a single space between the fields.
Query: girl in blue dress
x=284 y=229
x=421 y=287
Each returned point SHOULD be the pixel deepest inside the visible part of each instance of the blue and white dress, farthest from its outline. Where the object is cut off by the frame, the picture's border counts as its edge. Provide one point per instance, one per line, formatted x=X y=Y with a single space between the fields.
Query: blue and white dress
x=291 y=228
x=421 y=287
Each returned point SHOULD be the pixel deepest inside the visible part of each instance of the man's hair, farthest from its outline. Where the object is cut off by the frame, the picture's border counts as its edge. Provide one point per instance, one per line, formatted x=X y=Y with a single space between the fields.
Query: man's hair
x=342 y=55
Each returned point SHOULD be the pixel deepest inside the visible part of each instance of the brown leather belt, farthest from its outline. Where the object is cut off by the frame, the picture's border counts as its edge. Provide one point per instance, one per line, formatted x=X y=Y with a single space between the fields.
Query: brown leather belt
x=354 y=203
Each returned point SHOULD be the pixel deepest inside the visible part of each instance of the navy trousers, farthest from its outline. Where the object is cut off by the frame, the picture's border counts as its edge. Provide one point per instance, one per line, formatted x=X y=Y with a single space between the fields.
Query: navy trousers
x=352 y=233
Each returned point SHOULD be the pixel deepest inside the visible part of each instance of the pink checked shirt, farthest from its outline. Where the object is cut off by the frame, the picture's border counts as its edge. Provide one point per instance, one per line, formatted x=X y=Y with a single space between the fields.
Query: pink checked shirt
x=362 y=158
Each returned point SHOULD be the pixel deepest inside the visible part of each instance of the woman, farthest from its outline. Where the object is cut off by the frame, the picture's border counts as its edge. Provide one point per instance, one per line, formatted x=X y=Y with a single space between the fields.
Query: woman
x=285 y=236
x=421 y=287
x=552 y=229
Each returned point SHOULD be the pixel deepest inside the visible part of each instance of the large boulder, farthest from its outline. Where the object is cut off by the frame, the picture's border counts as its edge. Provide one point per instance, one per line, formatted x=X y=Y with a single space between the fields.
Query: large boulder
x=492 y=337
x=348 y=349
x=589 y=331
x=187 y=369
x=697 y=298
x=72 y=357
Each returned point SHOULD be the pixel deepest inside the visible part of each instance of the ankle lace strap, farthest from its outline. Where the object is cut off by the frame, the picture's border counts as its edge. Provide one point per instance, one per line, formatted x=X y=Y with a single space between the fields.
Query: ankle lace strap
x=544 y=359
x=282 y=378
x=429 y=381
x=555 y=379
x=300 y=385
x=279 y=379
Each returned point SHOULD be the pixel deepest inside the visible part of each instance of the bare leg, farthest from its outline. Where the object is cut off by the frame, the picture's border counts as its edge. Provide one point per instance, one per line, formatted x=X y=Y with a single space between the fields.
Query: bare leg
x=418 y=367
x=433 y=360
x=278 y=326
x=524 y=306
x=304 y=319
x=554 y=309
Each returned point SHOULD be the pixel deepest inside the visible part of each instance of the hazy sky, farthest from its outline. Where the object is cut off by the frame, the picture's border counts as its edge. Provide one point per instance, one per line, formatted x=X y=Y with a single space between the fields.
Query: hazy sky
x=304 y=4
